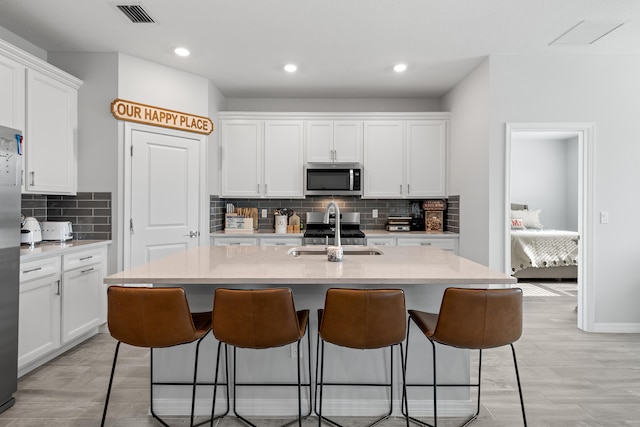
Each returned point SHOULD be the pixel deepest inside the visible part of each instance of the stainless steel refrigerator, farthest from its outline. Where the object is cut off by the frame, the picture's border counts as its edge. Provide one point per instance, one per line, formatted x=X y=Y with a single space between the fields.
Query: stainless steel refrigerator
x=10 y=167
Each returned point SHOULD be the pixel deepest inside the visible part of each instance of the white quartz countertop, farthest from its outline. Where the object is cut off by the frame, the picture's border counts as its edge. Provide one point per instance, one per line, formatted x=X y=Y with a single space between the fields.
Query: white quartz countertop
x=45 y=249
x=272 y=265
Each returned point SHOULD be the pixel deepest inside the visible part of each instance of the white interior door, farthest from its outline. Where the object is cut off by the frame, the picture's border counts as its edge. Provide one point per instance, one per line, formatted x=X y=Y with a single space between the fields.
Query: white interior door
x=164 y=195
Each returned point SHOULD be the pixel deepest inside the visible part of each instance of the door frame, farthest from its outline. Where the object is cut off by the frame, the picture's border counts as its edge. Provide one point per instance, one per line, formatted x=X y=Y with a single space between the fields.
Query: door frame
x=585 y=133
x=203 y=219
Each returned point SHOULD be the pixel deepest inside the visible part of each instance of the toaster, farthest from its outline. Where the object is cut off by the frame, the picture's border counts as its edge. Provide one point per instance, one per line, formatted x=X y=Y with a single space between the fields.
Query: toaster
x=30 y=232
x=56 y=230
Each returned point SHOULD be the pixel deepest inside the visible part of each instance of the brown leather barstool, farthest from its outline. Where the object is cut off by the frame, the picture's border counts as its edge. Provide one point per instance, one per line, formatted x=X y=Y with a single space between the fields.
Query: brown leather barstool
x=154 y=318
x=473 y=319
x=259 y=319
x=363 y=319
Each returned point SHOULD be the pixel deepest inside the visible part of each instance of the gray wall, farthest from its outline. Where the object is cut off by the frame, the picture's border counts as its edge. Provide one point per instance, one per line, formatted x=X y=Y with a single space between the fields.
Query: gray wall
x=604 y=90
x=544 y=176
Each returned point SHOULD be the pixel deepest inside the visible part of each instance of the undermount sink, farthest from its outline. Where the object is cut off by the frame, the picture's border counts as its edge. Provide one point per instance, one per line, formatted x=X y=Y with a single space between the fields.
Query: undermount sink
x=347 y=250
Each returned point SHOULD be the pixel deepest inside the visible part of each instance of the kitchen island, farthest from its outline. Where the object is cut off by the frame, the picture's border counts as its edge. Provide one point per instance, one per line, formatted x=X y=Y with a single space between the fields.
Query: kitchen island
x=422 y=272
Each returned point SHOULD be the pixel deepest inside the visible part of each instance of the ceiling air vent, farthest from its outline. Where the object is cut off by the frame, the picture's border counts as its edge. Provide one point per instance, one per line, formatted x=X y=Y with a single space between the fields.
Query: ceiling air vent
x=135 y=13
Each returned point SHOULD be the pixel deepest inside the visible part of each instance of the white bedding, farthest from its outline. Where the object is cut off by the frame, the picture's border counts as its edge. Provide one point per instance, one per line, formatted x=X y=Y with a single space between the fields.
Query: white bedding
x=543 y=248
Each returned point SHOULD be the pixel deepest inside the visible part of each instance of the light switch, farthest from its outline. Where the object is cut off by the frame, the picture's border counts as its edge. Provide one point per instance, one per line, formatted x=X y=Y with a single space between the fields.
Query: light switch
x=604 y=217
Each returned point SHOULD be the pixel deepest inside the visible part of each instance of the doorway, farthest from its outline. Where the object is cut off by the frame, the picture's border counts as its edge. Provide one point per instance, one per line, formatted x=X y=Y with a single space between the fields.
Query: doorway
x=577 y=144
x=162 y=192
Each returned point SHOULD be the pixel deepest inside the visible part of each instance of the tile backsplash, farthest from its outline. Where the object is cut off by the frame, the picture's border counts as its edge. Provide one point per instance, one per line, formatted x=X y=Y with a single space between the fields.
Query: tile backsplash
x=318 y=204
x=89 y=213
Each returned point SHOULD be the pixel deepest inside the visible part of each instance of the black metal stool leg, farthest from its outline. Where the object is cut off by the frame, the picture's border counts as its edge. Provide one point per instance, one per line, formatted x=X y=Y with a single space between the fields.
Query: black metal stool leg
x=515 y=364
x=113 y=370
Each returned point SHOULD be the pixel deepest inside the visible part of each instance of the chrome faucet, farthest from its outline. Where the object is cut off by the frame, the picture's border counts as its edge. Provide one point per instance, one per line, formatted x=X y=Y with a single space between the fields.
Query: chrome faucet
x=326 y=221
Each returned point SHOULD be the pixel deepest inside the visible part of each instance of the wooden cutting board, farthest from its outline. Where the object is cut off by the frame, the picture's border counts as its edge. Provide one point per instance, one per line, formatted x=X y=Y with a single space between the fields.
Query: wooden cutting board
x=254 y=214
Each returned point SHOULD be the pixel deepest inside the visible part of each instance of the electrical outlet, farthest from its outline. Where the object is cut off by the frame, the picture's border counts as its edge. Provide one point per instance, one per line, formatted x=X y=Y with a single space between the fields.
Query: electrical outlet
x=264 y=213
x=294 y=350
x=374 y=213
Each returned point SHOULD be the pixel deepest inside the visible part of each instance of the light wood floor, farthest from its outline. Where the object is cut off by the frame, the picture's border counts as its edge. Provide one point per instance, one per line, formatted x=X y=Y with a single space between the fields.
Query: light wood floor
x=570 y=378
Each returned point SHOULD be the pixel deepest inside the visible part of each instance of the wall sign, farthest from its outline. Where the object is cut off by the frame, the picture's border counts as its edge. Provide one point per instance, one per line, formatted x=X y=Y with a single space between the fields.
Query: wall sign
x=147 y=114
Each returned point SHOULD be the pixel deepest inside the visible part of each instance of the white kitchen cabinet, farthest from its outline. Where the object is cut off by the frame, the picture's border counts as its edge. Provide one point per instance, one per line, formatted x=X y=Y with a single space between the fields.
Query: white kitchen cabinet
x=426 y=158
x=82 y=292
x=242 y=159
x=12 y=93
x=270 y=239
x=283 y=159
x=235 y=241
x=329 y=141
x=383 y=166
x=50 y=136
x=262 y=158
x=62 y=301
x=446 y=244
x=39 y=309
x=41 y=101
x=281 y=241
x=405 y=159
x=381 y=241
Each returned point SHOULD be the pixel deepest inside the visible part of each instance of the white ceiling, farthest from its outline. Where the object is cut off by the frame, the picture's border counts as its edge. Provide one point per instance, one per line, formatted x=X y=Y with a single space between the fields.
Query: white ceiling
x=344 y=48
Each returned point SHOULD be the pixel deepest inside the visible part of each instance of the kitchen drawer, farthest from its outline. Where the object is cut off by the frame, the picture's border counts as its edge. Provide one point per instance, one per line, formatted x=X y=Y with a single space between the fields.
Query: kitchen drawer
x=381 y=241
x=82 y=259
x=444 y=244
x=40 y=268
x=235 y=241
x=280 y=241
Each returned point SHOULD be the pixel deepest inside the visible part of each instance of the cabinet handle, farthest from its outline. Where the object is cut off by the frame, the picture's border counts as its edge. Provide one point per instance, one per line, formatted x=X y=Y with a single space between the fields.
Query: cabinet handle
x=58 y=284
x=33 y=178
x=32 y=270
x=87 y=270
x=400 y=188
x=425 y=244
x=234 y=244
x=266 y=189
x=408 y=188
x=87 y=257
x=258 y=188
x=279 y=244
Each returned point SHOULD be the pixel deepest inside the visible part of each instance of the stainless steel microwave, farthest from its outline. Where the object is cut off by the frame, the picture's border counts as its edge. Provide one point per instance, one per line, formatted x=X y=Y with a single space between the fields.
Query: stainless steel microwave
x=333 y=179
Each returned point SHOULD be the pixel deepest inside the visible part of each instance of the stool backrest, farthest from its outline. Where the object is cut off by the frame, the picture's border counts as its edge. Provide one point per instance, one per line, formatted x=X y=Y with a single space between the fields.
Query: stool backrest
x=479 y=318
x=255 y=318
x=363 y=318
x=149 y=317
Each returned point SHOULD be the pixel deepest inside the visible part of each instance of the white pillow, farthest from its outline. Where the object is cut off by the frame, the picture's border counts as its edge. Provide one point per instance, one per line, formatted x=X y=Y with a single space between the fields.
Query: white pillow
x=530 y=219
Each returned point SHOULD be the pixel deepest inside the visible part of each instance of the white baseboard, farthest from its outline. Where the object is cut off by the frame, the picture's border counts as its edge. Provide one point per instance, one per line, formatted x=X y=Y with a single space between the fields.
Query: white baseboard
x=617 y=328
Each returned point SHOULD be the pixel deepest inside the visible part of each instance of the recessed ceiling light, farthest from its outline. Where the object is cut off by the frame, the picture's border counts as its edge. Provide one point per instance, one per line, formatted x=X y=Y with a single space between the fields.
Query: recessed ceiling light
x=182 y=51
x=291 y=68
x=399 y=68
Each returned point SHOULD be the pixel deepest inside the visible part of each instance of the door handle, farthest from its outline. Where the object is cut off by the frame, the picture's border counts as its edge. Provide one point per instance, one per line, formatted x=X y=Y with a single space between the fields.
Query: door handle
x=193 y=234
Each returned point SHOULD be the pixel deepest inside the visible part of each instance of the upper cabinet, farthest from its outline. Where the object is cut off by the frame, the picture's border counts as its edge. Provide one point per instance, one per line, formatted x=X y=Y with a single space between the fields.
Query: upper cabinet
x=50 y=136
x=12 y=93
x=403 y=155
x=41 y=101
x=262 y=158
x=405 y=159
x=333 y=141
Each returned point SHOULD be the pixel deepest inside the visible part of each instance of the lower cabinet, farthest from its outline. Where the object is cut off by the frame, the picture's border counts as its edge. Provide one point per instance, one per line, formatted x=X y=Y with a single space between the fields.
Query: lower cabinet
x=273 y=240
x=61 y=300
x=39 y=309
x=444 y=243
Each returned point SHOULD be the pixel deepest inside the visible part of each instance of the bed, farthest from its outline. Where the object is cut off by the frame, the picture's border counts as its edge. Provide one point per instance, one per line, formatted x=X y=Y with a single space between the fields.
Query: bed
x=538 y=252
